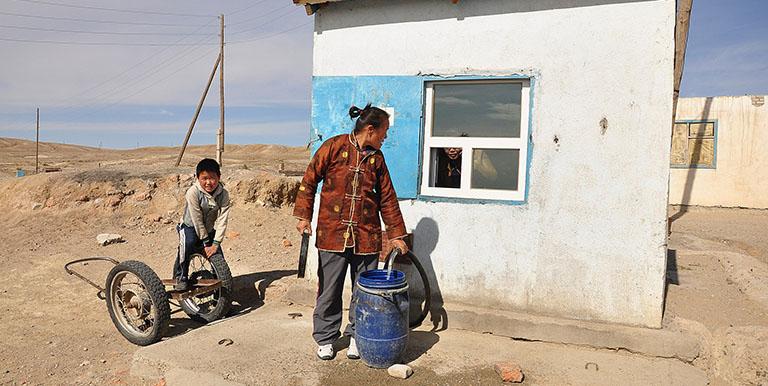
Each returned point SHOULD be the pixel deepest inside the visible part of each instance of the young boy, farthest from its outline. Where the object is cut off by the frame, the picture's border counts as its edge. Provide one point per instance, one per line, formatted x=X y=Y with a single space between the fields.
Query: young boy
x=204 y=221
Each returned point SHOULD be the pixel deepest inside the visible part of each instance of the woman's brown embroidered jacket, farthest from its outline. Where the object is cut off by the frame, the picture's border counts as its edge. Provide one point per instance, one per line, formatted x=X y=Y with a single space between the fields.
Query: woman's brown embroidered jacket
x=356 y=188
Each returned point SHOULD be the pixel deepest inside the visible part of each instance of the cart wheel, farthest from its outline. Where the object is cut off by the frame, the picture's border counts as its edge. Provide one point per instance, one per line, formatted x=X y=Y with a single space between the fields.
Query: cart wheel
x=214 y=305
x=137 y=302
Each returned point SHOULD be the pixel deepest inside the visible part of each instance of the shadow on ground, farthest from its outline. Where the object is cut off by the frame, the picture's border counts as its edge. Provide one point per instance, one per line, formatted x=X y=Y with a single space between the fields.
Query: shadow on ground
x=419 y=343
x=248 y=295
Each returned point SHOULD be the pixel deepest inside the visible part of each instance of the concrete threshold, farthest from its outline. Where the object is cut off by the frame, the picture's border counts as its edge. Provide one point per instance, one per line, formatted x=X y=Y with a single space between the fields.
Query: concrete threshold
x=671 y=341
x=269 y=347
x=660 y=343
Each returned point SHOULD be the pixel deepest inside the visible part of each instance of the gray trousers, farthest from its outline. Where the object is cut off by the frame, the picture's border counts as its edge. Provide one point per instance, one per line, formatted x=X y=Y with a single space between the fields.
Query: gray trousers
x=331 y=273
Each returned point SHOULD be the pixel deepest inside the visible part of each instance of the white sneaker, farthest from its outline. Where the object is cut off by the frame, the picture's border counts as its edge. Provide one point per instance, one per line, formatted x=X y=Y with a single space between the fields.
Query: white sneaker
x=352 y=352
x=325 y=352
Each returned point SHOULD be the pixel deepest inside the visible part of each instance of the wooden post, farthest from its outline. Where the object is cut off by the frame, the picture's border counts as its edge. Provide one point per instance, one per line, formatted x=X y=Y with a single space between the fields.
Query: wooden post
x=220 y=136
x=681 y=40
x=197 y=112
x=37 y=143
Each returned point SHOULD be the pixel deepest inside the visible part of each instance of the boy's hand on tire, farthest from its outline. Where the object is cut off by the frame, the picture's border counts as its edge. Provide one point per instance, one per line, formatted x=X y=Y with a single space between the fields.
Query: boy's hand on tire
x=210 y=251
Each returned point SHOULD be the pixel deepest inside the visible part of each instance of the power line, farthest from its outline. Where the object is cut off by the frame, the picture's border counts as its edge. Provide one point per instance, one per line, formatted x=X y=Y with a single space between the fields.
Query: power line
x=120 y=87
x=271 y=35
x=100 y=21
x=117 y=44
x=148 y=58
x=128 y=83
x=262 y=15
x=159 y=66
x=246 y=8
x=113 y=9
x=154 y=55
x=95 y=32
x=274 y=19
x=153 y=84
x=19 y=124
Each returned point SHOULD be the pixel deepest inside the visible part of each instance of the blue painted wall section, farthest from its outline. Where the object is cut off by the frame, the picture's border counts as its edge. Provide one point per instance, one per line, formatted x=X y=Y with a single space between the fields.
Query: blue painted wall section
x=332 y=96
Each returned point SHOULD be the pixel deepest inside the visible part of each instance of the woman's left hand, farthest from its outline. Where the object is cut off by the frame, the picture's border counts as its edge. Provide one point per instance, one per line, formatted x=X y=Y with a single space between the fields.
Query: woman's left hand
x=401 y=245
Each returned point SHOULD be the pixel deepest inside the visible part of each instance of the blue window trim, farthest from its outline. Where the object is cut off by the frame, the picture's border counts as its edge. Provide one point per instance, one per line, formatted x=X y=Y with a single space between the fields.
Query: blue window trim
x=532 y=87
x=699 y=166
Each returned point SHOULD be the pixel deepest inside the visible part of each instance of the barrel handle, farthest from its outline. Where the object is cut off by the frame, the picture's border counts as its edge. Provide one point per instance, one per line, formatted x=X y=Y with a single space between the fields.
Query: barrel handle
x=386 y=294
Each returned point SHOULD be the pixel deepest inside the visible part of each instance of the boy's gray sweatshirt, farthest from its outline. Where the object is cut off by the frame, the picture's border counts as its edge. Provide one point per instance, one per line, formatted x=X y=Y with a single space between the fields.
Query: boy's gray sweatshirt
x=206 y=211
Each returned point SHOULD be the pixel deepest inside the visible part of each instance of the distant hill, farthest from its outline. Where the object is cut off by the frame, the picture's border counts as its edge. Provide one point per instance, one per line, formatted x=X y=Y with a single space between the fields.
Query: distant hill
x=20 y=153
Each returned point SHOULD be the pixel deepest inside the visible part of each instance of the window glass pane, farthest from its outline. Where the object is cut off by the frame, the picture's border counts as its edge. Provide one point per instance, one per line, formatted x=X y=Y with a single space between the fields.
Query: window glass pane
x=702 y=129
x=702 y=152
x=445 y=167
x=678 y=155
x=477 y=110
x=495 y=168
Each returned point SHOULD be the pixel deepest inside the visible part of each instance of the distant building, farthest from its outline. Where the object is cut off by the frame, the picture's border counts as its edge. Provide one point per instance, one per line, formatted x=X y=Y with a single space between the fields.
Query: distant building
x=563 y=111
x=720 y=152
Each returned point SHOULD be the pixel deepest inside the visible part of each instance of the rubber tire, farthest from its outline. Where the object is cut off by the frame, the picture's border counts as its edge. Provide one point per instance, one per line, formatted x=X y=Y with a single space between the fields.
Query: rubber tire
x=157 y=294
x=225 y=294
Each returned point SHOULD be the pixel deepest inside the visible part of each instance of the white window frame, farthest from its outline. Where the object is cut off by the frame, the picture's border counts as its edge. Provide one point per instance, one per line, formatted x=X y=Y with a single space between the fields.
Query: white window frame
x=469 y=144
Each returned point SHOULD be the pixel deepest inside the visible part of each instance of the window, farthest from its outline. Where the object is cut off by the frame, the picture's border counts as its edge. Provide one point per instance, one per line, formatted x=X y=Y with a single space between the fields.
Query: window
x=694 y=145
x=476 y=139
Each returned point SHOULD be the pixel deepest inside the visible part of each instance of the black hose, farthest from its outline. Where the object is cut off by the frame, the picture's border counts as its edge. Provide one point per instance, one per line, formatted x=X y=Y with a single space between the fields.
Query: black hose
x=427 y=290
x=424 y=280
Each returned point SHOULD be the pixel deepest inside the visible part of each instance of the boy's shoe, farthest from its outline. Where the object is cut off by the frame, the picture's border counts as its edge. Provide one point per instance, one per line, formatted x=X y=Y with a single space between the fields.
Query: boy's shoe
x=182 y=285
x=352 y=352
x=325 y=352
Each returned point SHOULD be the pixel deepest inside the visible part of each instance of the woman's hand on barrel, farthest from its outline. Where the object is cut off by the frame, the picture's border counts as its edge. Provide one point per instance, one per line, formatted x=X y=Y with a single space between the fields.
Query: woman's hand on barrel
x=401 y=245
x=304 y=226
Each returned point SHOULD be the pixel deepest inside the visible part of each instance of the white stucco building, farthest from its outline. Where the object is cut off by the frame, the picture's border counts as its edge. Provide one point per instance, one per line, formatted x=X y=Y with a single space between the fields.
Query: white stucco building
x=562 y=109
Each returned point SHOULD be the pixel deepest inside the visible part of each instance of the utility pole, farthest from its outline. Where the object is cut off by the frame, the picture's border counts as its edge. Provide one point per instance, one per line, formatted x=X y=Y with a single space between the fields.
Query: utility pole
x=37 y=143
x=220 y=136
x=219 y=65
x=197 y=111
x=681 y=40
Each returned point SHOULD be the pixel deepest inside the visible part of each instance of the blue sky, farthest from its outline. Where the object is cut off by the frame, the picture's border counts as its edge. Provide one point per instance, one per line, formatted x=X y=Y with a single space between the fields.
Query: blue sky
x=727 y=48
x=135 y=78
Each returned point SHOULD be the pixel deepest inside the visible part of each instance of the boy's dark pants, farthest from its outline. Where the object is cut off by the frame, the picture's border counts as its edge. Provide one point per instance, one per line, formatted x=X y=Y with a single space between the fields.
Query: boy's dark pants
x=189 y=244
x=331 y=272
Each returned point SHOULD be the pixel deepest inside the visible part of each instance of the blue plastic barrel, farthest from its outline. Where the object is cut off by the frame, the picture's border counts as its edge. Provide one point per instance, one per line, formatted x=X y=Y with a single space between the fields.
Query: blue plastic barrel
x=381 y=317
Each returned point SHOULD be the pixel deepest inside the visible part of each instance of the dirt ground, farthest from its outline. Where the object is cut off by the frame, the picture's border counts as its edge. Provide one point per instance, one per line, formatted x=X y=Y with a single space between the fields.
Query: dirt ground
x=56 y=331
x=742 y=229
x=717 y=280
x=54 y=328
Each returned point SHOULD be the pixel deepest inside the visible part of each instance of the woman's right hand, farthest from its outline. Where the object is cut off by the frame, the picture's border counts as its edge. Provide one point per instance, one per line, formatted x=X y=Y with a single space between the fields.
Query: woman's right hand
x=304 y=226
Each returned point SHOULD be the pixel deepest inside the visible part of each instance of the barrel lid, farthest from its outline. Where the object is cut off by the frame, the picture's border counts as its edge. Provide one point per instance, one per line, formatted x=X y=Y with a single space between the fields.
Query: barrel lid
x=377 y=278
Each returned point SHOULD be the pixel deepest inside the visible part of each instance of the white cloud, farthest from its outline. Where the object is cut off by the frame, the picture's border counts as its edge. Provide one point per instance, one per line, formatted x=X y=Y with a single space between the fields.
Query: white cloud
x=504 y=111
x=455 y=101
x=161 y=112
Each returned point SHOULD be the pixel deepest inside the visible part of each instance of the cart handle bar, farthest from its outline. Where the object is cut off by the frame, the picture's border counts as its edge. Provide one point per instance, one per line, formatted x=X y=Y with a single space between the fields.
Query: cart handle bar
x=85 y=279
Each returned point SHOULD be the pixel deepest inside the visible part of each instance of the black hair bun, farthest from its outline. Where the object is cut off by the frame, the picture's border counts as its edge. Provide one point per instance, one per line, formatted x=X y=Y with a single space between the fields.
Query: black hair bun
x=354 y=112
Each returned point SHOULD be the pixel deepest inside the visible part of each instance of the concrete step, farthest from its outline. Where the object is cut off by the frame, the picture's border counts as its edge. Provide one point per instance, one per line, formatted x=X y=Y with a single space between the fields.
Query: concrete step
x=671 y=341
x=269 y=347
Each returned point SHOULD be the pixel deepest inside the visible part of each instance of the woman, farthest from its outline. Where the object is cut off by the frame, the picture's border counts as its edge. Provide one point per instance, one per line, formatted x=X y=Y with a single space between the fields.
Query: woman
x=356 y=189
